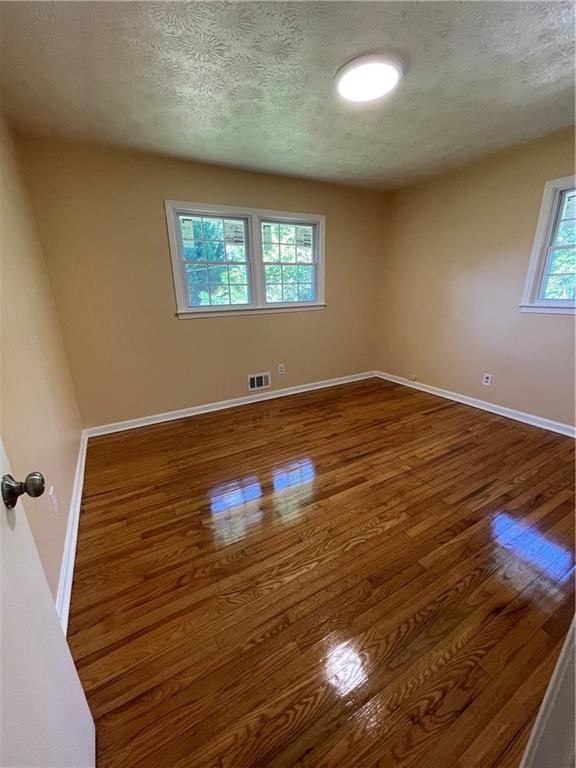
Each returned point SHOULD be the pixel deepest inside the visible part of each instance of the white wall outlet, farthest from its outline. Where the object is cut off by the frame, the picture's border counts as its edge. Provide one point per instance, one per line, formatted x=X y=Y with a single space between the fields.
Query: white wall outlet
x=281 y=368
x=487 y=379
x=54 y=500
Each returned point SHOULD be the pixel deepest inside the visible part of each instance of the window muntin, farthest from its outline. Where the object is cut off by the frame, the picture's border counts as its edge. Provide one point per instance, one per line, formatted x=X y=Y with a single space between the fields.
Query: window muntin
x=214 y=257
x=232 y=260
x=551 y=281
x=288 y=253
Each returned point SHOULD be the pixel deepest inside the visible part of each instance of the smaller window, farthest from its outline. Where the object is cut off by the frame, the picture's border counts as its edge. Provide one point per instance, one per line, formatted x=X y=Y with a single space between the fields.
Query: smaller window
x=551 y=282
x=228 y=260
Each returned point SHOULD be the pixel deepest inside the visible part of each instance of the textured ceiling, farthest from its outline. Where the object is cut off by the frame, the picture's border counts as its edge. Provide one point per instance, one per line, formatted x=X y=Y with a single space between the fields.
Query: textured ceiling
x=251 y=84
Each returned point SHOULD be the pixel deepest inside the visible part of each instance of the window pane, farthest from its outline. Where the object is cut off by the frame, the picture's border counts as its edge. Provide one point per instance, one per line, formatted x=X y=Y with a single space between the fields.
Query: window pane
x=191 y=227
x=193 y=251
x=217 y=275
x=270 y=233
x=304 y=236
x=569 y=204
x=305 y=274
x=198 y=295
x=304 y=254
x=288 y=253
x=235 y=252
x=213 y=229
x=290 y=292
x=560 y=287
x=288 y=234
x=289 y=274
x=214 y=251
x=562 y=260
x=271 y=252
x=238 y=274
x=234 y=231
x=305 y=292
x=219 y=294
x=273 y=273
x=239 y=294
x=273 y=293
x=566 y=234
x=196 y=275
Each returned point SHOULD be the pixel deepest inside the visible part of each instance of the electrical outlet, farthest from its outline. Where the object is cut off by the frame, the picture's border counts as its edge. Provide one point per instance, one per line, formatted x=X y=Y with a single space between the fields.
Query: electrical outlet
x=487 y=379
x=54 y=500
x=281 y=368
x=412 y=378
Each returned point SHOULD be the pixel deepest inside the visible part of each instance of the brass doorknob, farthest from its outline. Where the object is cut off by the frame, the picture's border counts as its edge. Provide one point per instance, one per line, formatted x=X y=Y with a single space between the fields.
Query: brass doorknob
x=33 y=485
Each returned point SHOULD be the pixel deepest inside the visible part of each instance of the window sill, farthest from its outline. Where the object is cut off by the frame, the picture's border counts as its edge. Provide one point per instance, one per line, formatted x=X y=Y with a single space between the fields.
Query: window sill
x=255 y=311
x=543 y=309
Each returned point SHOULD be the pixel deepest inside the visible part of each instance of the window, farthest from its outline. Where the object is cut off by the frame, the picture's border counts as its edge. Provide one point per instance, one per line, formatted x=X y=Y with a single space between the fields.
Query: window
x=551 y=282
x=229 y=260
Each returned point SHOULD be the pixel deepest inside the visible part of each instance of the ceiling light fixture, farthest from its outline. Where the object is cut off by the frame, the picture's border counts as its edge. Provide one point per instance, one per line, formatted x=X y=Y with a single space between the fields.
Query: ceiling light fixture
x=370 y=77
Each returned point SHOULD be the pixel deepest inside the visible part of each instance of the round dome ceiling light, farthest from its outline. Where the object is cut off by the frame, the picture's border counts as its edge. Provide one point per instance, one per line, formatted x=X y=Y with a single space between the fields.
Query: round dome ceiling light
x=370 y=77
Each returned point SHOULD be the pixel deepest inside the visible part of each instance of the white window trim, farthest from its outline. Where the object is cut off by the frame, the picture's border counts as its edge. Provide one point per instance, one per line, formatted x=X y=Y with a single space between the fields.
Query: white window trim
x=254 y=217
x=546 y=223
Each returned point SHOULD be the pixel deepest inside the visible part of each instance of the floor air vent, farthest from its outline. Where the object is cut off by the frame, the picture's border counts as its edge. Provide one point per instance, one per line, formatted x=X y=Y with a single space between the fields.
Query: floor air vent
x=258 y=381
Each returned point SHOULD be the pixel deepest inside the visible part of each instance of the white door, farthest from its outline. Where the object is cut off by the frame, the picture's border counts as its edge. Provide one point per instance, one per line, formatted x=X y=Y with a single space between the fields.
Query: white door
x=553 y=739
x=45 y=721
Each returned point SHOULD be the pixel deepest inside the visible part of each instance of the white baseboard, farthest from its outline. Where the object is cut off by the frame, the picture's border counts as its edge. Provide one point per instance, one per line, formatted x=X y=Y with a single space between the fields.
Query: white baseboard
x=69 y=555
x=183 y=413
x=500 y=410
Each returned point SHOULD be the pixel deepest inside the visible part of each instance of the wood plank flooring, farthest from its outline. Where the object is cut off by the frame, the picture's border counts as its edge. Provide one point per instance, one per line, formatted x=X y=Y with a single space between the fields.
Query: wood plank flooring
x=365 y=575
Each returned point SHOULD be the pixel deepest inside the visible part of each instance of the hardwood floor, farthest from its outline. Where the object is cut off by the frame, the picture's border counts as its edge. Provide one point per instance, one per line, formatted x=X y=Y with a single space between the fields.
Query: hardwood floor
x=359 y=576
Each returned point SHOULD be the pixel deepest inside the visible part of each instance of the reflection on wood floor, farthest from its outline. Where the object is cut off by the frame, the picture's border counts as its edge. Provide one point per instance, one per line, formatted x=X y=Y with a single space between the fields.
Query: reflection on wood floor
x=365 y=575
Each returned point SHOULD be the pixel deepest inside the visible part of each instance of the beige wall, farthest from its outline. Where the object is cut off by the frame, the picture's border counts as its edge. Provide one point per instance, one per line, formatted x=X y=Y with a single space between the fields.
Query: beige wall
x=423 y=282
x=102 y=221
x=456 y=260
x=40 y=423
